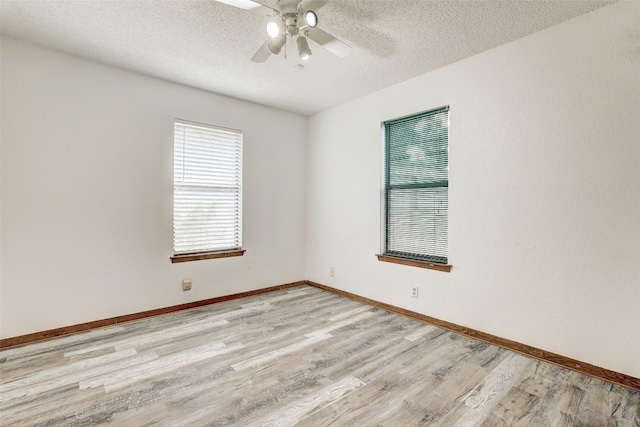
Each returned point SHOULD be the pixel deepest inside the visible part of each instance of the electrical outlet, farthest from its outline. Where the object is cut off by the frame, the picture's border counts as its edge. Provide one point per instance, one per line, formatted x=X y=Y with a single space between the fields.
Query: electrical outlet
x=186 y=285
x=414 y=292
x=332 y=272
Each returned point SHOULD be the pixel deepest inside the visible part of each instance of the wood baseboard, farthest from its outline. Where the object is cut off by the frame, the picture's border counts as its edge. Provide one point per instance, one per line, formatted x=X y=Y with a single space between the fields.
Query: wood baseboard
x=67 y=330
x=556 y=359
x=527 y=350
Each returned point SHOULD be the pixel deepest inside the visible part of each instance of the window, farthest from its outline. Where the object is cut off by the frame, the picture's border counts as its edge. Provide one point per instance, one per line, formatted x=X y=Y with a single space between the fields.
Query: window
x=207 y=190
x=416 y=187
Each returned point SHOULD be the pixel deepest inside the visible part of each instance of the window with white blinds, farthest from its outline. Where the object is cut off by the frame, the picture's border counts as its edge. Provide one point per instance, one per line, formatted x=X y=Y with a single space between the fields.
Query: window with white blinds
x=207 y=189
x=416 y=186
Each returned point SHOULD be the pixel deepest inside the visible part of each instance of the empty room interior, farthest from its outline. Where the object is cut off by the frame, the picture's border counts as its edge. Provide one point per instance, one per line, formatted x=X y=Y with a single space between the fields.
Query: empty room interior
x=320 y=212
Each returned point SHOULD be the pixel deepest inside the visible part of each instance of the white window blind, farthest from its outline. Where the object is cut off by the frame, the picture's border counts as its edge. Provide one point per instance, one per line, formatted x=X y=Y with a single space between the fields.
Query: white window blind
x=207 y=191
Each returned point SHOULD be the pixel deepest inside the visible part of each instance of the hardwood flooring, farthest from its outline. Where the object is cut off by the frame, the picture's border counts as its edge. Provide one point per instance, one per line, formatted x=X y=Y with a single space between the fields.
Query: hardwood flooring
x=300 y=356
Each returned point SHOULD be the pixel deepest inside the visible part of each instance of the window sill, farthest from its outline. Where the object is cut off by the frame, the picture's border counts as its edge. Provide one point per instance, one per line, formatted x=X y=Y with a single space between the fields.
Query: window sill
x=415 y=263
x=206 y=255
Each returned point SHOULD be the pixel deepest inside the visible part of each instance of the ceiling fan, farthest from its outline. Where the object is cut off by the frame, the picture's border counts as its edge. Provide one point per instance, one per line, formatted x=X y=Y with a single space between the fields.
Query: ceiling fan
x=295 y=19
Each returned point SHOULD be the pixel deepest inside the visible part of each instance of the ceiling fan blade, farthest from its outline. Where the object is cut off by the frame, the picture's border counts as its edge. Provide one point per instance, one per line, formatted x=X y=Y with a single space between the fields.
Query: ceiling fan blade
x=249 y=5
x=326 y=40
x=262 y=54
x=314 y=5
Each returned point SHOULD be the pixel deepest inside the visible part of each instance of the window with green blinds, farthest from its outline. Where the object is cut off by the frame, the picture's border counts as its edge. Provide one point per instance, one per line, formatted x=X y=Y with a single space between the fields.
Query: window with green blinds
x=207 y=191
x=416 y=186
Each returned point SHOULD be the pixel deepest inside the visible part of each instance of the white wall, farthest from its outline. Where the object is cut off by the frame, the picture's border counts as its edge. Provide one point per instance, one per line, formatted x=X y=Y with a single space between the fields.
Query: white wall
x=87 y=170
x=544 y=191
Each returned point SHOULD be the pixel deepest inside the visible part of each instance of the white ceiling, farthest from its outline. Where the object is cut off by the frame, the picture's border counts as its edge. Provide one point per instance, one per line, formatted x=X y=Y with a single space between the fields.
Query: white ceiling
x=208 y=45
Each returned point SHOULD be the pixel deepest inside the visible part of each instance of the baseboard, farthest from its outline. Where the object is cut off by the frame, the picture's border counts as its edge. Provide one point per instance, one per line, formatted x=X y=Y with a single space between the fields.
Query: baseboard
x=67 y=330
x=527 y=350
x=556 y=359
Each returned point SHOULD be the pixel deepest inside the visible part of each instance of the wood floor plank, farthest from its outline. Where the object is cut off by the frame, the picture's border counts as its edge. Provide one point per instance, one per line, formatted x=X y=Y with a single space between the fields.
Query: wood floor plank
x=131 y=375
x=445 y=403
x=357 y=408
x=74 y=377
x=294 y=412
x=274 y=354
x=146 y=416
x=493 y=388
x=297 y=356
x=514 y=409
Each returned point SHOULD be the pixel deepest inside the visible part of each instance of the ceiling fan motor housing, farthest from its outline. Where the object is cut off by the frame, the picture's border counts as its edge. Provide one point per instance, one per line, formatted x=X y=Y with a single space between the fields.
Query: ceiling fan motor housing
x=291 y=22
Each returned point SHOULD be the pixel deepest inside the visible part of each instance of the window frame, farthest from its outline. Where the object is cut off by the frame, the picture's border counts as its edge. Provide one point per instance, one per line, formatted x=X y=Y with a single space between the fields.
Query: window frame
x=209 y=251
x=429 y=261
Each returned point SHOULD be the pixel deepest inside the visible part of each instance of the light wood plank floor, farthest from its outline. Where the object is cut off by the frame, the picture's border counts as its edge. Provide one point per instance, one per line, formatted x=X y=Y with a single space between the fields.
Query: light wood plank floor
x=303 y=357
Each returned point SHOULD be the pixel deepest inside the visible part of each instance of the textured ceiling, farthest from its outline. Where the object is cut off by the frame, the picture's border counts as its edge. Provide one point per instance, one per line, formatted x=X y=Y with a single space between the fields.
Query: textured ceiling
x=208 y=45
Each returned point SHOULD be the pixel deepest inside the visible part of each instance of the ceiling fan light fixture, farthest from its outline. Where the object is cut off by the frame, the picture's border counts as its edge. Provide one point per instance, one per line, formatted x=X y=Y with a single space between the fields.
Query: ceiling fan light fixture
x=303 y=48
x=273 y=29
x=275 y=45
x=310 y=18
